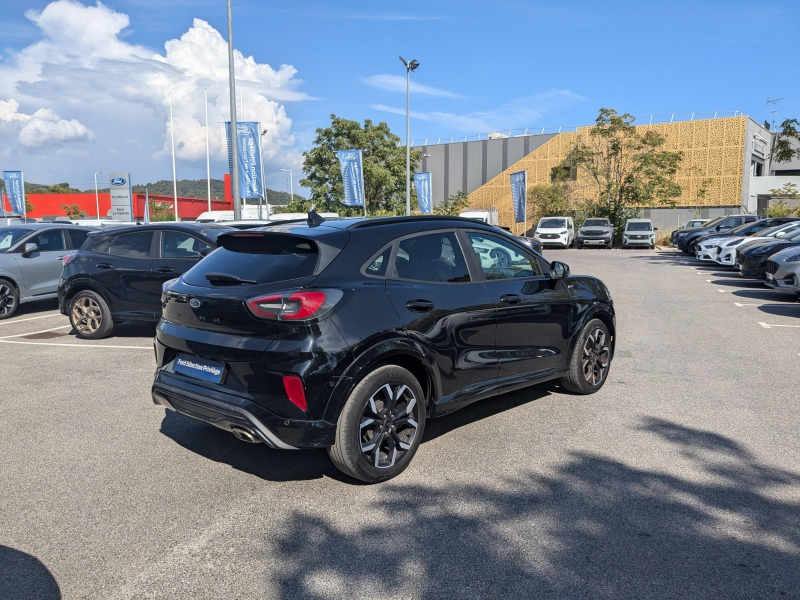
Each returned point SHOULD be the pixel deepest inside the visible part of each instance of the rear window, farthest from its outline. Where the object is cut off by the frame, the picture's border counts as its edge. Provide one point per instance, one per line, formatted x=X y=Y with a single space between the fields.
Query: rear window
x=259 y=258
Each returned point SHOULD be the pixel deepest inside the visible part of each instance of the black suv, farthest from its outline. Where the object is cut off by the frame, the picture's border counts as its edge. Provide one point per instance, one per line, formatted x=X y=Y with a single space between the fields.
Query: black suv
x=117 y=274
x=687 y=239
x=350 y=333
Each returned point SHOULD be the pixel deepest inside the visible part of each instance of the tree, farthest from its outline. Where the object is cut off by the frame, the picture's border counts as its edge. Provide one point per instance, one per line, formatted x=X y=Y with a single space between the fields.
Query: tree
x=57 y=188
x=629 y=168
x=784 y=150
x=73 y=211
x=453 y=205
x=384 y=162
x=547 y=200
x=781 y=208
x=161 y=211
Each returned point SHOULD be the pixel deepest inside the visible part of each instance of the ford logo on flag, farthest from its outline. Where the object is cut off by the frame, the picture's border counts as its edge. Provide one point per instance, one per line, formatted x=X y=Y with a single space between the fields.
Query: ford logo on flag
x=118 y=181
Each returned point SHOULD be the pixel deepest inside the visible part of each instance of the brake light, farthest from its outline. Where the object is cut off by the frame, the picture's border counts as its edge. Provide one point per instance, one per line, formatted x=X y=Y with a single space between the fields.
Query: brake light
x=66 y=259
x=302 y=305
x=269 y=307
x=294 y=306
x=294 y=390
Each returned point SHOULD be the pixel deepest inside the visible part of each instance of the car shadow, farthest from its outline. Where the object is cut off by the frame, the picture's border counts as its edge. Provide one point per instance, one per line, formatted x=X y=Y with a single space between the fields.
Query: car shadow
x=285 y=465
x=38 y=306
x=24 y=576
x=742 y=282
x=130 y=329
x=767 y=294
x=781 y=310
x=723 y=526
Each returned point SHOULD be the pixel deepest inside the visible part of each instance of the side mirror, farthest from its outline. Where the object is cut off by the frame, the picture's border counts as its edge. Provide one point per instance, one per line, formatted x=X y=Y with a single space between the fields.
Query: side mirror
x=29 y=249
x=558 y=270
x=205 y=251
x=655 y=228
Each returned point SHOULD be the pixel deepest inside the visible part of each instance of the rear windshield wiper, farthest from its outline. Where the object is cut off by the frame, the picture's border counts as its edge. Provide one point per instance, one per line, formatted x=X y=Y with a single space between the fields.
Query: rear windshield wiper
x=227 y=278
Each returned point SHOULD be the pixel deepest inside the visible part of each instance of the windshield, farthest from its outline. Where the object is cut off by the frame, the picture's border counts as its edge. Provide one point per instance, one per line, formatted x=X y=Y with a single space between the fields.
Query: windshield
x=552 y=224
x=596 y=223
x=11 y=235
x=639 y=226
x=744 y=228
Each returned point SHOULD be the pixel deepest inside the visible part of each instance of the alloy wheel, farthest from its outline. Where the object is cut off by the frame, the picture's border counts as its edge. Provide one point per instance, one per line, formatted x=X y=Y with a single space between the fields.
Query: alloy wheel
x=595 y=357
x=501 y=259
x=389 y=425
x=7 y=300
x=86 y=315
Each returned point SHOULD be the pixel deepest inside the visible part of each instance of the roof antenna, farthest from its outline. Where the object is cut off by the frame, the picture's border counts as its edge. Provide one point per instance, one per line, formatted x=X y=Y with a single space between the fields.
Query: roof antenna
x=314 y=219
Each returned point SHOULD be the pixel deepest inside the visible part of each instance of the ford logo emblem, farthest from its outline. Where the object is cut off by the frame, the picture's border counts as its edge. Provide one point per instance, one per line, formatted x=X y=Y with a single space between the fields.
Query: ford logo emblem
x=194 y=303
x=118 y=181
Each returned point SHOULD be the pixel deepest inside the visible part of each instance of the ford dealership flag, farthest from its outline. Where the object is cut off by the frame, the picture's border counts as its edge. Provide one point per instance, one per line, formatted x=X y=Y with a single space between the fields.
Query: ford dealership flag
x=519 y=195
x=250 y=184
x=352 y=176
x=15 y=190
x=422 y=181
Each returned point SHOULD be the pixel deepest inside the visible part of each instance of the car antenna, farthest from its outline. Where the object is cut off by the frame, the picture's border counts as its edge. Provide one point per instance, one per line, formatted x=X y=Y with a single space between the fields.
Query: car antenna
x=315 y=219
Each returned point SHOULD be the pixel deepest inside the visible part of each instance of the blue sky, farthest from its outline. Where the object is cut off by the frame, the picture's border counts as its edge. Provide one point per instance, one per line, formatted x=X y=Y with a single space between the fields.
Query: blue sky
x=484 y=66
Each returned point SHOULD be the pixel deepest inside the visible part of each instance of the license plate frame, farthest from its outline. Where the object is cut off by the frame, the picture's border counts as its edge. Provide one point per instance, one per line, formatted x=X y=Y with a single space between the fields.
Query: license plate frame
x=199 y=368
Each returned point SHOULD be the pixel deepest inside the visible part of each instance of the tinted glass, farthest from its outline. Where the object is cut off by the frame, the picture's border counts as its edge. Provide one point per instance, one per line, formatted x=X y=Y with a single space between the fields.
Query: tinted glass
x=377 y=266
x=638 y=226
x=552 y=223
x=260 y=259
x=50 y=241
x=433 y=257
x=132 y=245
x=596 y=223
x=11 y=235
x=176 y=244
x=729 y=223
x=78 y=237
x=500 y=259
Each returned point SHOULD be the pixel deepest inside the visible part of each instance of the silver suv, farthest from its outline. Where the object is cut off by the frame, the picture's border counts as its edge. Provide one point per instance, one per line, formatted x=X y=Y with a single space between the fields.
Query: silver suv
x=31 y=261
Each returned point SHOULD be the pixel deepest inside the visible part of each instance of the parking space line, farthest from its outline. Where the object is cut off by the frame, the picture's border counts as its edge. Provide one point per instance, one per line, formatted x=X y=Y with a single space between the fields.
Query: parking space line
x=770 y=325
x=30 y=319
x=34 y=332
x=721 y=291
x=5 y=341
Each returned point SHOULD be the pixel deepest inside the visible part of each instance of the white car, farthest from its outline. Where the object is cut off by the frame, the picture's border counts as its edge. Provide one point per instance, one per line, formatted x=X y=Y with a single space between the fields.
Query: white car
x=555 y=231
x=727 y=251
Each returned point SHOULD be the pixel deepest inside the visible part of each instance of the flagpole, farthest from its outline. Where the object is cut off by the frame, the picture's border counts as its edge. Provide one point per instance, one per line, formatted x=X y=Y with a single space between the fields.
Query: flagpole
x=208 y=153
x=24 y=200
x=174 y=176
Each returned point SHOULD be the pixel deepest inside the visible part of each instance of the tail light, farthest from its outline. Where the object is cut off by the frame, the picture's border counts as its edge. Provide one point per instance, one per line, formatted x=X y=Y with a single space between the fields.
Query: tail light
x=66 y=259
x=294 y=389
x=295 y=306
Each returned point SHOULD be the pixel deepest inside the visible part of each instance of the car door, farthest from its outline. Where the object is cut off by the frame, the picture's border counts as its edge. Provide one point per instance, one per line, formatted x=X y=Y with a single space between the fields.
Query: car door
x=178 y=251
x=42 y=269
x=447 y=312
x=534 y=312
x=124 y=267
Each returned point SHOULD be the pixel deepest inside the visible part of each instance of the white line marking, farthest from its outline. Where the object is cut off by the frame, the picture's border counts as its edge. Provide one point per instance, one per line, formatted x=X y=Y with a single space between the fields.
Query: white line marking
x=770 y=325
x=31 y=319
x=5 y=337
x=721 y=291
x=708 y=280
x=3 y=341
x=744 y=304
x=764 y=325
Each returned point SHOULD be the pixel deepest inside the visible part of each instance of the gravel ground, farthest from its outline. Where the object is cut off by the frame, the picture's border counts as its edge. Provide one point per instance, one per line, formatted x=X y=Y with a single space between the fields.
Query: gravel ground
x=679 y=479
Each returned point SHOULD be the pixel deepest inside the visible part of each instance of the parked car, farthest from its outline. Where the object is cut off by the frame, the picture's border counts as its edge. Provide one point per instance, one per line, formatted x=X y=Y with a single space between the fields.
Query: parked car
x=595 y=232
x=350 y=334
x=31 y=260
x=783 y=270
x=726 y=252
x=533 y=243
x=555 y=231
x=639 y=232
x=117 y=274
x=686 y=239
x=707 y=245
x=488 y=215
x=751 y=260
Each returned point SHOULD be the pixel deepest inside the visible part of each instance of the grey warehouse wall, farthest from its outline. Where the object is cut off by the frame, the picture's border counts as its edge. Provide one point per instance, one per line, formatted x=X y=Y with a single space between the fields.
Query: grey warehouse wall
x=468 y=165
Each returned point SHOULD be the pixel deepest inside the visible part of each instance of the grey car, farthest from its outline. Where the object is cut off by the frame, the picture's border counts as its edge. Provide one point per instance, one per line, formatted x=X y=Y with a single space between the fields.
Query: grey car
x=31 y=261
x=595 y=232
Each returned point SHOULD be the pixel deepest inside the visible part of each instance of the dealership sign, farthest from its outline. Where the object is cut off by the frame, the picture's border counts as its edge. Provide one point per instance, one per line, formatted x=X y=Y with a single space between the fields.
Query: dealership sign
x=519 y=193
x=352 y=177
x=249 y=146
x=121 y=199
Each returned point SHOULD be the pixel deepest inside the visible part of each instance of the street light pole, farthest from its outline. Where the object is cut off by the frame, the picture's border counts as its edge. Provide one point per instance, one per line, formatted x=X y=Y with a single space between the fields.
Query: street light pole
x=174 y=177
x=413 y=65
x=263 y=185
x=237 y=208
x=208 y=153
x=96 y=194
x=291 y=185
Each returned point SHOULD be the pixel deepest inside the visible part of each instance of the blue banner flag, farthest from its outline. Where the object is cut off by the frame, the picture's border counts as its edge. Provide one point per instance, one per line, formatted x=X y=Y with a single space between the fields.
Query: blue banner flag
x=422 y=182
x=15 y=190
x=249 y=141
x=352 y=176
x=519 y=195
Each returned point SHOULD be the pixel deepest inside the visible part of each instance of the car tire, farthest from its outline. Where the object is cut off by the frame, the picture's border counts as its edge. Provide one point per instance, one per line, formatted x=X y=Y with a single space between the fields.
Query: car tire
x=9 y=299
x=370 y=414
x=691 y=249
x=590 y=361
x=90 y=316
x=578 y=245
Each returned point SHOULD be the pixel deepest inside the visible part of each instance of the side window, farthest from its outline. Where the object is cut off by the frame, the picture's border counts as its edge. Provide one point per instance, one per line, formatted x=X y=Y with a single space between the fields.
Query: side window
x=78 y=236
x=500 y=259
x=377 y=266
x=132 y=245
x=50 y=241
x=729 y=223
x=176 y=244
x=432 y=257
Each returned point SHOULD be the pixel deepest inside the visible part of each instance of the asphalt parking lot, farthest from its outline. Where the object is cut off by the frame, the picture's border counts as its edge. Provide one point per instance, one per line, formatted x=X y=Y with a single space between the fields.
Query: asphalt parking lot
x=679 y=479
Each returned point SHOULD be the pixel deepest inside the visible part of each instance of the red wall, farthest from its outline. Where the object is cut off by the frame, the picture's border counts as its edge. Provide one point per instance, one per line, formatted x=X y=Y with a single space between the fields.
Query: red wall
x=50 y=204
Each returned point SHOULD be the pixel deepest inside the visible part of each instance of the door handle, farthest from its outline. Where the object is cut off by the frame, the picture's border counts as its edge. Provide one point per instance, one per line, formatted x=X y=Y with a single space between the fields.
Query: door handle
x=164 y=270
x=419 y=305
x=104 y=266
x=510 y=299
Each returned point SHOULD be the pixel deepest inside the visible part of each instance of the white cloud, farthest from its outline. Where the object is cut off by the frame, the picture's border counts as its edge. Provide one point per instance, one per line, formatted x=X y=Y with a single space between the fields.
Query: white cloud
x=518 y=113
x=397 y=83
x=110 y=89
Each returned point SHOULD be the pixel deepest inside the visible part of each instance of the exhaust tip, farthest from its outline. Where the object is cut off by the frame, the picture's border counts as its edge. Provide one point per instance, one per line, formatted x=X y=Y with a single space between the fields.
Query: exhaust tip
x=245 y=435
